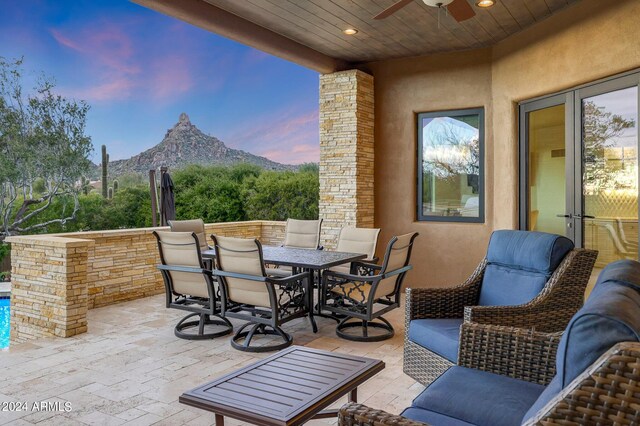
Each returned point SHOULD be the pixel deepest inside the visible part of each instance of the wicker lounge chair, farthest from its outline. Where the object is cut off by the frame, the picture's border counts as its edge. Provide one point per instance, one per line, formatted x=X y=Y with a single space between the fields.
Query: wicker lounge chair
x=528 y=280
x=189 y=286
x=367 y=297
x=250 y=294
x=586 y=375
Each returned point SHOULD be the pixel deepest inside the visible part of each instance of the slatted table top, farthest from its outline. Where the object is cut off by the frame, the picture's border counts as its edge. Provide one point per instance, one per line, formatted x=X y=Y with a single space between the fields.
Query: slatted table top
x=287 y=388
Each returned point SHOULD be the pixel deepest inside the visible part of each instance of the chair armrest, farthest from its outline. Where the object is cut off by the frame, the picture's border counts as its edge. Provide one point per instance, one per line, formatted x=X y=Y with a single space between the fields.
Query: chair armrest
x=220 y=273
x=553 y=308
x=605 y=393
x=514 y=352
x=289 y=279
x=446 y=302
x=183 y=269
x=348 y=277
x=353 y=414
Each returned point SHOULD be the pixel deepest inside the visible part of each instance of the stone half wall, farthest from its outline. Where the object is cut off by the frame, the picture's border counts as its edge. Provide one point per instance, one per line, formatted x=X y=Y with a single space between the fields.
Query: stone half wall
x=346 y=152
x=56 y=278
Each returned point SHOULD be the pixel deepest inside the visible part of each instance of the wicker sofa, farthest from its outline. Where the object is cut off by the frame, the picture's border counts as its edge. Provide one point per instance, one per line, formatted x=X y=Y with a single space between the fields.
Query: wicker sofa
x=586 y=375
x=528 y=280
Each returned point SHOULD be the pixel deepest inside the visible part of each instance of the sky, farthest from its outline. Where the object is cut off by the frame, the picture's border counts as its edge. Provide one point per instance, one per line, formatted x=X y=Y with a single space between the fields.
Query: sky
x=139 y=69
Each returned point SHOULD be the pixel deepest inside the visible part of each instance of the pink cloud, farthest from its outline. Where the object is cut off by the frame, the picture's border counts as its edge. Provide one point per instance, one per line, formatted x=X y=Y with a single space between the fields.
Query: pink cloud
x=285 y=136
x=120 y=68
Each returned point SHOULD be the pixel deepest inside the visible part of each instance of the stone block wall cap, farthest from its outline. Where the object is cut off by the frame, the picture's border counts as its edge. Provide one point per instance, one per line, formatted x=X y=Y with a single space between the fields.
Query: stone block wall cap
x=48 y=240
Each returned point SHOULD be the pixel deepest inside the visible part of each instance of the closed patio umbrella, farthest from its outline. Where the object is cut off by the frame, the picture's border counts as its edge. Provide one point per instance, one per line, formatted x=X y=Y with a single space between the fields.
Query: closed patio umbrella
x=168 y=206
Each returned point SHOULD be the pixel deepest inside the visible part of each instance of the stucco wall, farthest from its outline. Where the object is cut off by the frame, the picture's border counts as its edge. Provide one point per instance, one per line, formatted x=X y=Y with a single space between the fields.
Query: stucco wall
x=582 y=43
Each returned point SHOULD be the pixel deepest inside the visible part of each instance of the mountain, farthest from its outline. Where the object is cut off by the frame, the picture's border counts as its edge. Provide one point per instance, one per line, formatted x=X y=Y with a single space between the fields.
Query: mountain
x=185 y=144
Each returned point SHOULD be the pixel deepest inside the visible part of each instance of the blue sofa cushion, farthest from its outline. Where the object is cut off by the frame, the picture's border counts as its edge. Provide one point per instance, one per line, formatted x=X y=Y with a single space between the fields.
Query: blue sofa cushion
x=431 y=418
x=479 y=397
x=611 y=315
x=441 y=336
x=519 y=265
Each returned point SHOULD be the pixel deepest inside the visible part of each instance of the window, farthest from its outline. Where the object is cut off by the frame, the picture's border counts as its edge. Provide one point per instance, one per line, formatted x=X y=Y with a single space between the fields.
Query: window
x=451 y=166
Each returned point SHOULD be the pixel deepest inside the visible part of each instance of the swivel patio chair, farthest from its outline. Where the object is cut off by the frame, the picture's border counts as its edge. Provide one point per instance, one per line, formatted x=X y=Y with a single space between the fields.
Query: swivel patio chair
x=304 y=234
x=357 y=240
x=251 y=295
x=197 y=227
x=530 y=280
x=586 y=374
x=367 y=297
x=189 y=286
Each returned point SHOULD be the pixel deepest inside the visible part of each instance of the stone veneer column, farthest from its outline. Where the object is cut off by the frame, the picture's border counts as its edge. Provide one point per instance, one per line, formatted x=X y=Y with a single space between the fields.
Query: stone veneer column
x=346 y=152
x=48 y=287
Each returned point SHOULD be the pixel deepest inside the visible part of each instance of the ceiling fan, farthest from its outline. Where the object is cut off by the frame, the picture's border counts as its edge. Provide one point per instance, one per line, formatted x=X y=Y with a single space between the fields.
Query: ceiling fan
x=461 y=10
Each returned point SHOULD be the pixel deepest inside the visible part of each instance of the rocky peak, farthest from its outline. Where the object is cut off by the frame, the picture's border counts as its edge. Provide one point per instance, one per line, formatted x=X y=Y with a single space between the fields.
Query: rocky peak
x=185 y=144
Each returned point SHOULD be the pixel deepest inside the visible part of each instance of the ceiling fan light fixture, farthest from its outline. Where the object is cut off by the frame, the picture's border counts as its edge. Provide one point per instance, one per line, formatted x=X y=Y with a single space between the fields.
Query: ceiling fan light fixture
x=437 y=3
x=485 y=3
x=350 y=31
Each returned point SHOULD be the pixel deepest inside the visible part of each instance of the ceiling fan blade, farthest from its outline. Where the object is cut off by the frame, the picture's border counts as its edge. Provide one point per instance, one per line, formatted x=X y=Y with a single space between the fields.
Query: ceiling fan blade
x=461 y=10
x=392 y=9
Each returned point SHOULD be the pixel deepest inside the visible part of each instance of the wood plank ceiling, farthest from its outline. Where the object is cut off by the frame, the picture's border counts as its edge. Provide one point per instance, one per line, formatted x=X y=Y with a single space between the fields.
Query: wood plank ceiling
x=413 y=31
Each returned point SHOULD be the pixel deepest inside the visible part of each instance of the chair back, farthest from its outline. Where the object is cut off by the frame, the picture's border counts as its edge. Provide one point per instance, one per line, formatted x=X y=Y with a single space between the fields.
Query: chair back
x=242 y=256
x=397 y=255
x=610 y=315
x=302 y=233
x=519 y=264
x=182 y=249
x=195 y=225
x=358 y=240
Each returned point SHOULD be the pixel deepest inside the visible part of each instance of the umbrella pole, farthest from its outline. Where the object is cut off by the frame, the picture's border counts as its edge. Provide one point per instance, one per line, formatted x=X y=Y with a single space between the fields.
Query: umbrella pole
x=163 y=215
x=154 y=198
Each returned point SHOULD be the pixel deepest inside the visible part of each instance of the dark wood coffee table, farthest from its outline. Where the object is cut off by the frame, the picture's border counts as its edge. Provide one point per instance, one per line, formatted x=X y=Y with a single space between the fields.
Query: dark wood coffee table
x=288 y=388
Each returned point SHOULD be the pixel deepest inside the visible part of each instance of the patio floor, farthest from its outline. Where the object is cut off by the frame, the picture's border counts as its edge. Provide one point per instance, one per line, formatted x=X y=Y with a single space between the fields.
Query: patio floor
x=130 y=369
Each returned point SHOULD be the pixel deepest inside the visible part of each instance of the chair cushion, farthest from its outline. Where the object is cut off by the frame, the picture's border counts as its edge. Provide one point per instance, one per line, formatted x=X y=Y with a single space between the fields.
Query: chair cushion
x=441 y=336
x=510 y=286
x=431 y=418
x=519 y=265
x=479 y=397
x=611 y=315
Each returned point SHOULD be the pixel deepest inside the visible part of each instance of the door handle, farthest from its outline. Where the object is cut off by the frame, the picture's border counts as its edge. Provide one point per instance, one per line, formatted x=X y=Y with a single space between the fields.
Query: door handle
x=585 y=216
x=568 y=216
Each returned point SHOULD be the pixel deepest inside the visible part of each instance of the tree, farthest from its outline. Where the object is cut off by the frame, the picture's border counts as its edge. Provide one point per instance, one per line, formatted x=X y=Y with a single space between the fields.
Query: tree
x=42 y=137
x=601 y=128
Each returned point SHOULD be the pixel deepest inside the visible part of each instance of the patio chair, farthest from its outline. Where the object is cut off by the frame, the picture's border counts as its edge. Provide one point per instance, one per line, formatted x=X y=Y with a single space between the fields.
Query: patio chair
x=586 y=374
x=357 y=240
x=189 y=286
x=528 y=279
x=367 y=297
x=304 y=234
x=250 y=294
x=197 y=227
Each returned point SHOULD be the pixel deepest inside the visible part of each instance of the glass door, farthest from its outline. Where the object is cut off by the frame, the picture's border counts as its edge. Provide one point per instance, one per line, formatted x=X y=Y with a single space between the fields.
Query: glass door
x=607 y=122
x=547 y=163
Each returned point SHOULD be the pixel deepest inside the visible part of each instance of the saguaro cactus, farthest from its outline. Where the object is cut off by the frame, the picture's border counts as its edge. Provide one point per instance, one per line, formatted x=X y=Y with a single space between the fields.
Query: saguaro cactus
x=115 y=186
x=110 y=193
x=105 y=166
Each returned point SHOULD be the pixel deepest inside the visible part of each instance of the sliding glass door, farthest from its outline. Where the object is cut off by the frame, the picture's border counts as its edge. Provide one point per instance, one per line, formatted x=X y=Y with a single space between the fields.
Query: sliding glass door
x=579 y=166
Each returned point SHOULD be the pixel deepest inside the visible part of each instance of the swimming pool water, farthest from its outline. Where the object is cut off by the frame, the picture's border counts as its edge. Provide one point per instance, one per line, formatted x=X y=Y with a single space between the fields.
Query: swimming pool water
x=4 y=323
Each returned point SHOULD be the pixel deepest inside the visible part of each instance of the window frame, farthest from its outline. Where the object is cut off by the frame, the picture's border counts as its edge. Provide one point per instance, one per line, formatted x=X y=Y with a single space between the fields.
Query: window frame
x=479 y=111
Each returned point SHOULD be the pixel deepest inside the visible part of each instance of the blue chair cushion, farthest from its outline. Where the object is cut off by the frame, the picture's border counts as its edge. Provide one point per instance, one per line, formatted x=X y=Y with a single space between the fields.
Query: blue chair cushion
x=519 y=263
x=441 y=336
x=431 y=418
x=478 y=397
x=611 y=315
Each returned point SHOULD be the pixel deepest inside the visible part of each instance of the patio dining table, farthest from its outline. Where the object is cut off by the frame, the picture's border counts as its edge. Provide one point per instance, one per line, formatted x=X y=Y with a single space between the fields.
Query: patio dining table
x=313 y=261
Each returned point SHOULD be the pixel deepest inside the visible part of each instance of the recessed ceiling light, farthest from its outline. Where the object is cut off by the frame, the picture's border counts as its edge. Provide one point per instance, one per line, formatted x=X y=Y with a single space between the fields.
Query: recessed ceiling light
x=485 y=3
x=350 y=31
